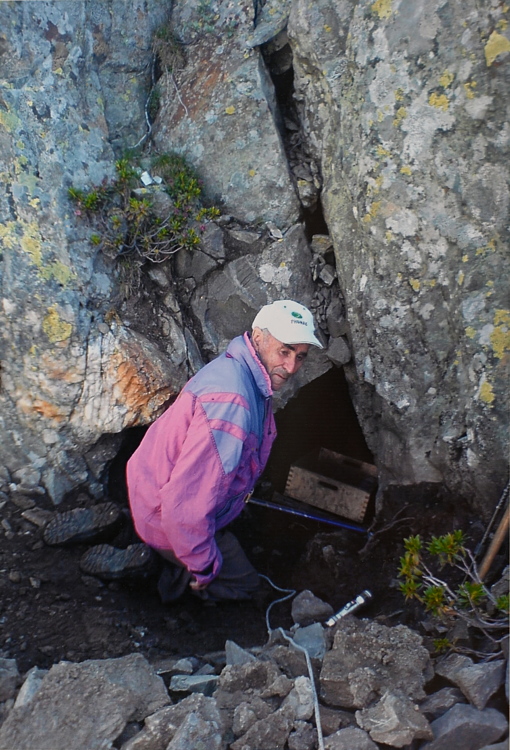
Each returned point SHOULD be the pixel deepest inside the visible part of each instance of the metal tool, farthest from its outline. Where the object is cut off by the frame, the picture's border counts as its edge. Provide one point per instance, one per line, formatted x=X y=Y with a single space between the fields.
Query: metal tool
x=350 y=607
x=305 y=513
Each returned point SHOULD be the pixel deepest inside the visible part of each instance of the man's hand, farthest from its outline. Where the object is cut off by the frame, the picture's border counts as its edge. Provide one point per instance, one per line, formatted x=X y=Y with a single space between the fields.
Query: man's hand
x=196 y=585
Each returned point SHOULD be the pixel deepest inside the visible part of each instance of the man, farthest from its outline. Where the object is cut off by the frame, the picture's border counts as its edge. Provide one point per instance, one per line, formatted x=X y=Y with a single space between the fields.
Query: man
x=198 y=463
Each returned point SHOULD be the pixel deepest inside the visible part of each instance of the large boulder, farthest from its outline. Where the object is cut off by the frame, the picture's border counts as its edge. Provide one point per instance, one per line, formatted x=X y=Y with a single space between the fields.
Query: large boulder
x=410 y=132
x=219 y=110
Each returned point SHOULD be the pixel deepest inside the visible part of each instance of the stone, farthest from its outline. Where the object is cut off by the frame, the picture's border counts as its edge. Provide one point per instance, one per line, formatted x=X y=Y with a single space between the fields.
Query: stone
x=394 y=720
x=327 y=274
x=101 y=696
x=185 y=666
x=10 y=678
x=194 y=263
x=37 y=516
x=237 y=655
x=332 y=720
x=308 y=608
x=301 y=699
x=183 y=683
x=313 y=639
x=161 y=727
x=267 y=734
x=368 y=659
x=338 y=351
x=464 y=727
x=289 y=660
x=195 y=732
x=478 y=682
x=321 y=243
x=304 y=736
x=252 y=675
x=438 y=703
x=348 y=739
x=247 y=713
x=31 y=685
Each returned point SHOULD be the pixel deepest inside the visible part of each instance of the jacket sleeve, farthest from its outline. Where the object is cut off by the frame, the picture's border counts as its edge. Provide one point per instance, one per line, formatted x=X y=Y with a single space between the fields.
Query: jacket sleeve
x=199 y=483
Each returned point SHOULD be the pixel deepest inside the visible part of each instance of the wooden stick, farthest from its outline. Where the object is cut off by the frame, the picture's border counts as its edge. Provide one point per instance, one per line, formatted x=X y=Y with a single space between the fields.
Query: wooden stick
x=496 y=543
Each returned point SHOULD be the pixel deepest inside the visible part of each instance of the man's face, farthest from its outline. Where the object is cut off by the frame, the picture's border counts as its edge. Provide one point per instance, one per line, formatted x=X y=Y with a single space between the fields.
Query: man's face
x=280 y=360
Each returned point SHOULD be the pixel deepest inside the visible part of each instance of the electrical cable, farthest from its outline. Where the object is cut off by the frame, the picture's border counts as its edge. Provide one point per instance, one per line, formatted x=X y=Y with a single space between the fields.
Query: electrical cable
x=290 y=593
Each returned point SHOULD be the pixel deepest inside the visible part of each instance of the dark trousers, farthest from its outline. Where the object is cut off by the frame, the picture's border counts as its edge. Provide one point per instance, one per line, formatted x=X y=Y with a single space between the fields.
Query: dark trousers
x=237 y=579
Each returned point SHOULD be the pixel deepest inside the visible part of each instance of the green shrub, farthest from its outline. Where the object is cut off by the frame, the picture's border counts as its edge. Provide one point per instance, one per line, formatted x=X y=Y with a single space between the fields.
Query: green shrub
x=125 y=223
x=443 y=576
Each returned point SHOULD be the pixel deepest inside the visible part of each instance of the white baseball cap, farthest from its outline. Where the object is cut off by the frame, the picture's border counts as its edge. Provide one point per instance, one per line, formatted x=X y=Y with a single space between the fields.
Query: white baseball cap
x=288 y=321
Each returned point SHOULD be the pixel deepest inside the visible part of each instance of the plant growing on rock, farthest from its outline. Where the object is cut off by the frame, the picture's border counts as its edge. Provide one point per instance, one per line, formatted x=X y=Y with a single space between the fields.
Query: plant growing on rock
x=442 y=574
x=152 y=223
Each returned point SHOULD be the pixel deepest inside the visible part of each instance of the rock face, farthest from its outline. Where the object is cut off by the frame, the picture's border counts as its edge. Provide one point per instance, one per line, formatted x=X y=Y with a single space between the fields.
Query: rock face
x=399 y=133
x=220 y=111
x=411 y=133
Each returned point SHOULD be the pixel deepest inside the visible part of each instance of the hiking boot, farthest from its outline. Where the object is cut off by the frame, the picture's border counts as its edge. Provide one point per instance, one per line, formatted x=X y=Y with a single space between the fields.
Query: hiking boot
x=95 y=524
x=110 y=563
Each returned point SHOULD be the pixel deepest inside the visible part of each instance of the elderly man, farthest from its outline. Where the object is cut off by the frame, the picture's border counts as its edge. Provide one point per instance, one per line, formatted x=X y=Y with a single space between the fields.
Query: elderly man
x=199 y=462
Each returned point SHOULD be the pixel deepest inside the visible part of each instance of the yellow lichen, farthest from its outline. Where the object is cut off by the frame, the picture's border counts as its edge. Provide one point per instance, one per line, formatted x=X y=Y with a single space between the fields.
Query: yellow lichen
x=31 y=243
x=54 y=327
x=230 y=110
x=502 y=24
x=460 y=278
x=400 y=115
x=497 y=45
x=486 y=393
x=252 y=173
x=7 y=234
x=465 y=258
x=490 y=247
x=399 y=95
x=381 y=151
x=415 y=283
x=470 y=332
x=446 y=79
x=8 y=121
x=372 y=212
x=58 y=271
x=382 y=8
x=439 y=101
x=500 y=336
x=468 y=87
x=406 y=169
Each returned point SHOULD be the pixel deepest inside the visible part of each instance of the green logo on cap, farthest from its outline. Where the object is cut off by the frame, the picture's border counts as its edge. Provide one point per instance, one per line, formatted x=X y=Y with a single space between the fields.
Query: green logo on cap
x=296 y=315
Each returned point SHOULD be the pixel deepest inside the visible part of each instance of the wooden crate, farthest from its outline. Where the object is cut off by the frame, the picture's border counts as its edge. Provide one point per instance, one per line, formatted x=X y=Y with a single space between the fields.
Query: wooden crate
x=333 y=482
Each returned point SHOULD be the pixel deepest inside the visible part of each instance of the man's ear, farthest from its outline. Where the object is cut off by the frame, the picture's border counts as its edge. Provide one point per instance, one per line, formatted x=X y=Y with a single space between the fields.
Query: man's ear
x=256 y=337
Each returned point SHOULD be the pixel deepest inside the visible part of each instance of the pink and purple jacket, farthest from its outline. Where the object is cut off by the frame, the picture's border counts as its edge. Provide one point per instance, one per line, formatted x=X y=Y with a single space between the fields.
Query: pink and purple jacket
x=198 y=461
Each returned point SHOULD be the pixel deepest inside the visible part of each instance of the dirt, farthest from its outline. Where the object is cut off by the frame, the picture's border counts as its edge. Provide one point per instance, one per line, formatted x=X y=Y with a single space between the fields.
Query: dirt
x=49 y=611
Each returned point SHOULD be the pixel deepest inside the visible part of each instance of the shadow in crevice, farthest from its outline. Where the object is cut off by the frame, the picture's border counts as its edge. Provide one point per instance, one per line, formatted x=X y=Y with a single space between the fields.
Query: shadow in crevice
x=321 y=415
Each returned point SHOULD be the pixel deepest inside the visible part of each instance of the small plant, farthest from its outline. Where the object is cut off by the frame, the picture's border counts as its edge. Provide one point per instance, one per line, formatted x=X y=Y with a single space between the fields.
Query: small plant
x=443 y=576
x=168 y=50
x=125 y=220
